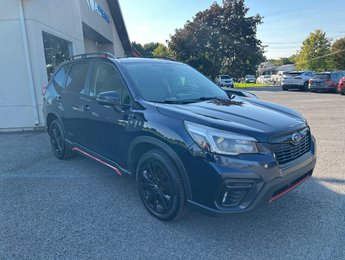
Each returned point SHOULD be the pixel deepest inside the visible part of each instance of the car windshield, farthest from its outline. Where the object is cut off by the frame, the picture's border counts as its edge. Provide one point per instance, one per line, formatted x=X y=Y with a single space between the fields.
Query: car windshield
x=225 y=77
x=322 y=76
x=171 y=83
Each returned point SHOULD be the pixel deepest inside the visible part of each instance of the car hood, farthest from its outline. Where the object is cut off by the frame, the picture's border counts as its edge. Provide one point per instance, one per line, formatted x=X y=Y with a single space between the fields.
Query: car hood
x=255 y=118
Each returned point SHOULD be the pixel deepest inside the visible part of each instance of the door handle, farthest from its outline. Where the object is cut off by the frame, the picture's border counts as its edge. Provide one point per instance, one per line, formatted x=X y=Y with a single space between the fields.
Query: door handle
x=85 y=107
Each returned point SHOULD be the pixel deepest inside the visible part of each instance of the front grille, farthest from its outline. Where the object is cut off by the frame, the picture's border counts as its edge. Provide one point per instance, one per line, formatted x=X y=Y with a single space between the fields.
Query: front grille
x=288 y=151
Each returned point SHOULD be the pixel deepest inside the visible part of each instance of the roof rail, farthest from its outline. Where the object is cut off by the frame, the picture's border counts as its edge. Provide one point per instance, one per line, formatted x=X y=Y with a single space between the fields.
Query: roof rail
x=92 y=55
x=159 y=57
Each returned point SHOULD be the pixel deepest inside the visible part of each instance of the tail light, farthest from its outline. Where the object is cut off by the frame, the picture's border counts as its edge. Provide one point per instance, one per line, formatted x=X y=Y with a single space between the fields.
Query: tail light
x=330 y=82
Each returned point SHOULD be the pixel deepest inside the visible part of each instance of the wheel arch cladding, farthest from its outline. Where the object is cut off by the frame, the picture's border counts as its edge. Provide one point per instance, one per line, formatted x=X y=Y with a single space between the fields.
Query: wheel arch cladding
x=143 y=144
x=50 y=118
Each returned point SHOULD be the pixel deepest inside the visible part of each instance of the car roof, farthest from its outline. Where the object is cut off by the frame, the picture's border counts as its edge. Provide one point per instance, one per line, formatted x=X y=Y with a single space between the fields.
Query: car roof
x=145 y=60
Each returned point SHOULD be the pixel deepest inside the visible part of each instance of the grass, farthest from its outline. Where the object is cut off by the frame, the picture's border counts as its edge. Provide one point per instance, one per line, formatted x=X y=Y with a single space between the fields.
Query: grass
x=250 y=85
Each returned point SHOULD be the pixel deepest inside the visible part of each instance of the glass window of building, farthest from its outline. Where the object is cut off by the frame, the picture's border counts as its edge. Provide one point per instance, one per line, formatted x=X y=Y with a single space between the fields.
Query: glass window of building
x=56 y=50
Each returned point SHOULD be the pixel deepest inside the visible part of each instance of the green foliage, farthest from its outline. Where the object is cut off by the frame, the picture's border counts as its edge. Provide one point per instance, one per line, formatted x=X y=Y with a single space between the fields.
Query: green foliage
x=338 y=51
x=146 y=49
x=315 y=53
x=282 y=61
x=220 y=39
x=162 y=51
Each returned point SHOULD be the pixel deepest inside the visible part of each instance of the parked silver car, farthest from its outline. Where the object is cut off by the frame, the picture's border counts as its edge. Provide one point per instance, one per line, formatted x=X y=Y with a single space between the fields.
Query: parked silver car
x=225 y=81
x=250 y=79
x=296 y=79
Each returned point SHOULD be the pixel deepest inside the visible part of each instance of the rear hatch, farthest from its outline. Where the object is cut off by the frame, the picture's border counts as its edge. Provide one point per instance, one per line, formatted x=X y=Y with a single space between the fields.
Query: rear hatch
x=320 y=80
x=292 y=78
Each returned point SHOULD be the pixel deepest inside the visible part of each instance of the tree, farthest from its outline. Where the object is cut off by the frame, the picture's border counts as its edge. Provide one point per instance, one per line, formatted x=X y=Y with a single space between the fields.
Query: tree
x=220 y=39
x=315 y=53
x=338 y=50
x=163 y=51
x=146 y=49
x=282 y=61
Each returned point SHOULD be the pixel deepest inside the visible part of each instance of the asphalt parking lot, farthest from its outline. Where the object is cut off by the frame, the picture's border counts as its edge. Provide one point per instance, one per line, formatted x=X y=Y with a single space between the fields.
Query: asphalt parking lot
x=80 y=209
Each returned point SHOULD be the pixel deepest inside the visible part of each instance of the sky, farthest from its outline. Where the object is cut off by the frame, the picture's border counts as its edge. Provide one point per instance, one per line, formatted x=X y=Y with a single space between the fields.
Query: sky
x=285 y=24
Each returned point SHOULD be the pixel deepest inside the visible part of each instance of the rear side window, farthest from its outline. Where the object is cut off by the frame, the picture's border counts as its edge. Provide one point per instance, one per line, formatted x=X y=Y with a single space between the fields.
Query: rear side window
x=60 y=77
x=76 y=80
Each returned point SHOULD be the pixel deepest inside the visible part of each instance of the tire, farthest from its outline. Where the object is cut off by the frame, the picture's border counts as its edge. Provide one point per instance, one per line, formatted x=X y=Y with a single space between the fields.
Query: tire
x=342 y=93
x=305 y=86
x=57 y=141
x=285 y=88
x=160 y=186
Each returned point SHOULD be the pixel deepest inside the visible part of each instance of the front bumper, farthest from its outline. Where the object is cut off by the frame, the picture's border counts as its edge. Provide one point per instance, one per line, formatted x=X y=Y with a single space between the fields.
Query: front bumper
x=227 y=84
x=244 y=185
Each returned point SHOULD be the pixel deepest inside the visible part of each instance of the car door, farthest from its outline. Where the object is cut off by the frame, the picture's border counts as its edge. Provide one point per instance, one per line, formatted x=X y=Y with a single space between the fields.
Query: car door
x=104 y=127
x=72 y=100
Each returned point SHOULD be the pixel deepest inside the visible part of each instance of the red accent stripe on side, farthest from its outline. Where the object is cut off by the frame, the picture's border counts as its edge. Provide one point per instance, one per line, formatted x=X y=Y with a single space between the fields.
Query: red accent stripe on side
x=98 y=160
x=289 y=189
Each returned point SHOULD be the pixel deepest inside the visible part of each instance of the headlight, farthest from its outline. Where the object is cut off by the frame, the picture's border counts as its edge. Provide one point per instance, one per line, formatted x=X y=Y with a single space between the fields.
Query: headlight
x=219 y=141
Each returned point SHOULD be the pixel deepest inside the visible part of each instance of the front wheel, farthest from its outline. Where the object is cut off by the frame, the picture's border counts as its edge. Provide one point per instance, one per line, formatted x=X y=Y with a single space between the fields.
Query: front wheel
x=160 y=186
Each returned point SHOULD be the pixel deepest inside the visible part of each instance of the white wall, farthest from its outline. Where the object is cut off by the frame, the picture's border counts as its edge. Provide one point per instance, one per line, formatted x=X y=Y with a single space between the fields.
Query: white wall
x=15 y=102
x=90 y=46
x=62 y=18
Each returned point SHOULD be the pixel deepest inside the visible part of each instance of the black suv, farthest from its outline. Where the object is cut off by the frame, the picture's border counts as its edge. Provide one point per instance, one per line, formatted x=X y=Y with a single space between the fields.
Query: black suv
x=181 y=136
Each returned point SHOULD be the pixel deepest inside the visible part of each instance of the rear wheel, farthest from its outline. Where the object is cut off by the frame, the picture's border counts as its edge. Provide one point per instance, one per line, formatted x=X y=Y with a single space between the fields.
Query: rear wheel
x=160 y=186
x=57 y=140
x=305 y=86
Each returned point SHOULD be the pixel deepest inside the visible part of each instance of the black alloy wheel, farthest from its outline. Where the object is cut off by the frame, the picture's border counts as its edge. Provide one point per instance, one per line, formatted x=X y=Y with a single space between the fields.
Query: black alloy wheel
x=305 y=86
x=57 y=140
x=160 y=186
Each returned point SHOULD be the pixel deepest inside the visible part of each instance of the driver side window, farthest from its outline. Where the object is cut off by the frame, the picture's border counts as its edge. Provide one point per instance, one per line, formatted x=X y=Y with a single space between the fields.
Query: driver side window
x=105 y=77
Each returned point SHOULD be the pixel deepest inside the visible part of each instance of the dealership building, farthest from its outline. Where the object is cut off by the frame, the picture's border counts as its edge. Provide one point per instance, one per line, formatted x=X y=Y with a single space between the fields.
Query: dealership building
x=37 y=35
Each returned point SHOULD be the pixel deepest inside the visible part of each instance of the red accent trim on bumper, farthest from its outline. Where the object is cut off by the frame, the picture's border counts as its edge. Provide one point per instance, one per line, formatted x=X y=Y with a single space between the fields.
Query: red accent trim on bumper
x=290 y=188
x=98 y=160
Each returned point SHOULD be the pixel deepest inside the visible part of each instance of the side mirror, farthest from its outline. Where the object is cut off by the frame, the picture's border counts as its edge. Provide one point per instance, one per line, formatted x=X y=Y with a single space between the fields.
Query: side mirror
x=108 y=98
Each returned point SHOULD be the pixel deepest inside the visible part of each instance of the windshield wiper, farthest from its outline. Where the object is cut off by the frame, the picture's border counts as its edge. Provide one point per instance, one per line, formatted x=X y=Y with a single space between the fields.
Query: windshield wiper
x=185 y=101
x=167 y=101
x=207 y=98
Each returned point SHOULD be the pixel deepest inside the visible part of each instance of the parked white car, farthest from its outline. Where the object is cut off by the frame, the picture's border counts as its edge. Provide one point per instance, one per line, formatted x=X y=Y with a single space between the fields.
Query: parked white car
x=225 y=81
x=297 y=79
x=264 y=79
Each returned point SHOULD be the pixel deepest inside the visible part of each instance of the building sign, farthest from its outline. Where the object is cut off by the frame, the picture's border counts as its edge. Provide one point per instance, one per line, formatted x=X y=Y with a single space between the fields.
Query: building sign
x=95 y=7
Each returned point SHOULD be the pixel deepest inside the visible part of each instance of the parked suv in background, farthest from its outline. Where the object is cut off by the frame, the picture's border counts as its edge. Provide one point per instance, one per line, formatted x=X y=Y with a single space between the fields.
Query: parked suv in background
x=182 y=137
x=326 y=81
x=296 y=79
x=225 y=81
x=250 y=79
x=341 y=86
